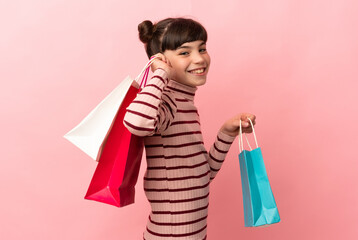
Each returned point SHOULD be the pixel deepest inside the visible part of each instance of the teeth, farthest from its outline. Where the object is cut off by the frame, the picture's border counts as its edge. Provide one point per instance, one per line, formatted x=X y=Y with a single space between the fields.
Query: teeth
x=198 y=71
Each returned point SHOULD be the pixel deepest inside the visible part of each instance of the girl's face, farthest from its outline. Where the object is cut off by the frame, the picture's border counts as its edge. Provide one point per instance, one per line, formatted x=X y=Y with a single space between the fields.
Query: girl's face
x=190 y=63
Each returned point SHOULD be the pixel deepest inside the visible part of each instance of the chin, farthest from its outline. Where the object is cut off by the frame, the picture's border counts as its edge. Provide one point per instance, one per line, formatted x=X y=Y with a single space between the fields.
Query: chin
x=192 y=82
x=200 y=83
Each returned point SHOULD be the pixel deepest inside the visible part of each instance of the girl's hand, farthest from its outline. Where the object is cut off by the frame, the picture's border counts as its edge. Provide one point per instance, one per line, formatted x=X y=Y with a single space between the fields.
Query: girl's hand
x=232 y=126
x=162 y=62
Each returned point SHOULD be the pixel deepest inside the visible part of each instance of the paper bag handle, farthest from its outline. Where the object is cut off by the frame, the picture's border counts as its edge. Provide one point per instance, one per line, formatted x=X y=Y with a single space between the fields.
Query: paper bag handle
x=241 y=143
x=145 y=71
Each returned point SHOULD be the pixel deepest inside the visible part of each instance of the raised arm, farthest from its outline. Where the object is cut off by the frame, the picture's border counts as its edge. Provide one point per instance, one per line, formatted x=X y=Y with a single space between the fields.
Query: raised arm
x=153 y=109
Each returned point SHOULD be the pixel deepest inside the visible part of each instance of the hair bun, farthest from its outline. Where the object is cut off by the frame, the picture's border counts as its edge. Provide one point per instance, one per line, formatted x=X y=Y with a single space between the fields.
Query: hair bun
x=146 y=30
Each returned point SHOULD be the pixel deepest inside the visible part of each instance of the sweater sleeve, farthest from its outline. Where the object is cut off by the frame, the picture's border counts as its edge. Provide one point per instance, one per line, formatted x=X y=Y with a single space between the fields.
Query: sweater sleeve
x=153 y=109
x=218 y=152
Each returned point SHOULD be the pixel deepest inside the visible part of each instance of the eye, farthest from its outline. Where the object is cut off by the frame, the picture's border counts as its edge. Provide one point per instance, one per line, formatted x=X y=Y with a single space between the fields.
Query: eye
x=184 y=53
x=203 y=50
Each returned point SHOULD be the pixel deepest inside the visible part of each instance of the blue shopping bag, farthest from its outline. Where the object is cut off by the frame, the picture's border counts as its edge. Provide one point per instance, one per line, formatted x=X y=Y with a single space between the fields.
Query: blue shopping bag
x=259 y=203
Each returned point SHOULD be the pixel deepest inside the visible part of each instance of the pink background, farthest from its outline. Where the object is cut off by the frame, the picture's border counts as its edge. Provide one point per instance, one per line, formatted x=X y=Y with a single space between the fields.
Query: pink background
x=292 y=63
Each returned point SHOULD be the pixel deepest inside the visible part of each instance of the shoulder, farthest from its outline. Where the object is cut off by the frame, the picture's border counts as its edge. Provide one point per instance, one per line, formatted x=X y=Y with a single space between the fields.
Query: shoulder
x=169 y=97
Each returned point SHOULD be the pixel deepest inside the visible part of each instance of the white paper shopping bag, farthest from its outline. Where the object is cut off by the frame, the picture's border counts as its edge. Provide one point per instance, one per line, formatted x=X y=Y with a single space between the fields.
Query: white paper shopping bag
x=90 y=133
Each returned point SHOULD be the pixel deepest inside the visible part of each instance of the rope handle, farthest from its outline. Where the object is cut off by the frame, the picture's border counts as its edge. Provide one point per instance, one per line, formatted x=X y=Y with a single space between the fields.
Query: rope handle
x=241 y=143
x=145 y=71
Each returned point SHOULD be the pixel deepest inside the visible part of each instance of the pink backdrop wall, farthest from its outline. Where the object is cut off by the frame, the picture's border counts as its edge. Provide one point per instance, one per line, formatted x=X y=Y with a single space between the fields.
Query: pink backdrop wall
x=292 y=63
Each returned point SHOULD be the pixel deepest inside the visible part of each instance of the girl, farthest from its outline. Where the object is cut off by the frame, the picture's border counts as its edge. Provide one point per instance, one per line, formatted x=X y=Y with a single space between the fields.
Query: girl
x=179 y=169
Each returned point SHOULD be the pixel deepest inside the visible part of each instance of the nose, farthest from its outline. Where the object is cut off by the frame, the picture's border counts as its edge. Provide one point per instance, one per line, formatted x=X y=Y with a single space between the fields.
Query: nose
x=197 y=58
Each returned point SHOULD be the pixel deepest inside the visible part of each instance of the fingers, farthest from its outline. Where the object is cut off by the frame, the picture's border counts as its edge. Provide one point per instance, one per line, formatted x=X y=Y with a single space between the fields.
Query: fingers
x=160 y=56
x=246 y=116
x=160 y=62
x=246 y=125
x=247 y=130
x=163 y=58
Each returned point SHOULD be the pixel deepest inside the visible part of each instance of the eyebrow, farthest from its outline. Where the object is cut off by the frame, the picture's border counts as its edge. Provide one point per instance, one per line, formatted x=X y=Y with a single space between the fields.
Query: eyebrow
x=188 y=47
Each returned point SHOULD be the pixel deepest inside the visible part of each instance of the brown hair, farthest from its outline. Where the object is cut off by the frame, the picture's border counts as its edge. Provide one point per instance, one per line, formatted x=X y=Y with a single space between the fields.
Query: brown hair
x=169 y=34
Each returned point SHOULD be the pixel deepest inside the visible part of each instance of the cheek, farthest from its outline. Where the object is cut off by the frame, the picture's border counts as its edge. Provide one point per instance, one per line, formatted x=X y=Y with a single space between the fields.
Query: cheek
x=180 y=66
x=208 y=60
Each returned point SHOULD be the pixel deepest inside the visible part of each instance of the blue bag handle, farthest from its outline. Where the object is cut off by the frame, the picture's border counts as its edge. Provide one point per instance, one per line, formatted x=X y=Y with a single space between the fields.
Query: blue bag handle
x=241 y=143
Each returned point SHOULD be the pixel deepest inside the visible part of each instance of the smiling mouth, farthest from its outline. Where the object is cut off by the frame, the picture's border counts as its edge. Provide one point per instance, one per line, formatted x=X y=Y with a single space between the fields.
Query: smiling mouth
x=198 y=71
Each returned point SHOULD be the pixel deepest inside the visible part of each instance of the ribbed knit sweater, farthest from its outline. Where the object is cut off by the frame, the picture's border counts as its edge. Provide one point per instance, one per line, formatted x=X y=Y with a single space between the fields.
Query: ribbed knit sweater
x=179 y=169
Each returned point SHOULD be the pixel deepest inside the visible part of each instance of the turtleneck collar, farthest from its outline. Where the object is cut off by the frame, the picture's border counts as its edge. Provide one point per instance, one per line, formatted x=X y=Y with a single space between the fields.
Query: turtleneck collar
x=186 y=91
